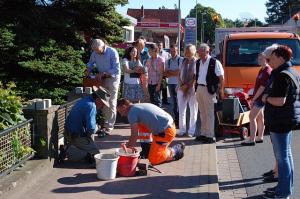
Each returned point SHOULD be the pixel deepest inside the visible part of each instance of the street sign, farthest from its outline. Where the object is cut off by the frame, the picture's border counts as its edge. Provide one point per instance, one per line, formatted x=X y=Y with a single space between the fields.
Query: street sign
x=190 y=31
x=190 y=22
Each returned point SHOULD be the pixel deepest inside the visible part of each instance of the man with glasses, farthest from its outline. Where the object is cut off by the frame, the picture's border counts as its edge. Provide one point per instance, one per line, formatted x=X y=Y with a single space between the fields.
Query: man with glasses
x=107 y=63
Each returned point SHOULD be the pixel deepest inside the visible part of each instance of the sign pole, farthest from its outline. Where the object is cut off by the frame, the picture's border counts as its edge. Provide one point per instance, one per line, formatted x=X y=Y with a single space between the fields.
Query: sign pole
x=179 y=26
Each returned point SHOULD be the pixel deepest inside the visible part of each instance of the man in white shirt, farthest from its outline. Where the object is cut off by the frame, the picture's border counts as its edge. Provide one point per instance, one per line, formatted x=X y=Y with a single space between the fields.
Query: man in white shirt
x=210 y=82
x=171 y=72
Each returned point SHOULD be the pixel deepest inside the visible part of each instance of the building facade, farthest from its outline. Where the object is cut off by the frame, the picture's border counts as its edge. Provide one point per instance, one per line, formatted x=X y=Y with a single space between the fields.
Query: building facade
x=156 y=24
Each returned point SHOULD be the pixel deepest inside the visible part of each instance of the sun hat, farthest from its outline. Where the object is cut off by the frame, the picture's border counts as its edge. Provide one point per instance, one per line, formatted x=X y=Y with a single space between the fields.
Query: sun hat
x=103 y=94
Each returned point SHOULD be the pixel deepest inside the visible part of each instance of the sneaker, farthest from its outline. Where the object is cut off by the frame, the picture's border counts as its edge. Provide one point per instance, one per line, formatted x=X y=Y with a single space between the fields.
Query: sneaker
x=200 y=138
x=270 y=190
x=269 y=173
x=178 y=151
x=259 y=141
x=271 y=178
x=190 y=136
x=274 y=196
x=102 y=133
x=248 y=143
x=209 y=140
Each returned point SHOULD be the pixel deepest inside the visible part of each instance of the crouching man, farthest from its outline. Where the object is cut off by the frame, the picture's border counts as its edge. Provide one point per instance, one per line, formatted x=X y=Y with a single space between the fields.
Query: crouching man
x=156 y=121
x=81 y=124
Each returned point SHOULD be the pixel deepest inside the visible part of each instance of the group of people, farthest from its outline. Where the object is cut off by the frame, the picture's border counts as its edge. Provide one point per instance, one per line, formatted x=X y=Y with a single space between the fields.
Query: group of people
x=275 y=108
x=194 y=81
x=191 y=81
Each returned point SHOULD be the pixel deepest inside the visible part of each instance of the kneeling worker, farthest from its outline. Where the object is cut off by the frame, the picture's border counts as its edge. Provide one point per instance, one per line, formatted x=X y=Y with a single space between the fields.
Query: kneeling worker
x=159 y=123
x=81 y=124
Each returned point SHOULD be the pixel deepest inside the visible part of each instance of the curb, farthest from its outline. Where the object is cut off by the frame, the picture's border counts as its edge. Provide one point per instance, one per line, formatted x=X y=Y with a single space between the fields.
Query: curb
x=24 y=177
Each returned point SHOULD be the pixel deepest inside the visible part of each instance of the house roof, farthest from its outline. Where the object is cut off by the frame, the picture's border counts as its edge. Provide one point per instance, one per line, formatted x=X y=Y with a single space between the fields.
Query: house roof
x=154 y=15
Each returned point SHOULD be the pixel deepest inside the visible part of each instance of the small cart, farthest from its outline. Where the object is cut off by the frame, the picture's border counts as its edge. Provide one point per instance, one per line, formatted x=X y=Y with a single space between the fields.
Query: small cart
x=239 y=126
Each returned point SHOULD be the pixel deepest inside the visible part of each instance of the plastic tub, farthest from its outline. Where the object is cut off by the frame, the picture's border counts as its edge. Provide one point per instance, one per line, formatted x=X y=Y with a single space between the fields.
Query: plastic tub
x=106 y=166
x=127 y=162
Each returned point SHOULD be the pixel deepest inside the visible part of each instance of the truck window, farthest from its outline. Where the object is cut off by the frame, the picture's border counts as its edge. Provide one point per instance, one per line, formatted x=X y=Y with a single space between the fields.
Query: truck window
x=244 y=52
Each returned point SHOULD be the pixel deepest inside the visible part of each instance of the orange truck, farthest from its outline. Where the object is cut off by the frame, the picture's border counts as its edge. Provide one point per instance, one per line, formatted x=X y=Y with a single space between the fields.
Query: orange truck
x=239 y=53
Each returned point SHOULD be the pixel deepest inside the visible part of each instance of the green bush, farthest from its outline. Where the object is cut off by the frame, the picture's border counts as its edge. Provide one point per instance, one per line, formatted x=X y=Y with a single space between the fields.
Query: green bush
x=10 y=107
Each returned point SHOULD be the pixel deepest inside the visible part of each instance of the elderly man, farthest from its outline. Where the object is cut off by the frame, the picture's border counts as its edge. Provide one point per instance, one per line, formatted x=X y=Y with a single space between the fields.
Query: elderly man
x=106 y=59
x=81 y=124
x=159 y=123
x=209 y=79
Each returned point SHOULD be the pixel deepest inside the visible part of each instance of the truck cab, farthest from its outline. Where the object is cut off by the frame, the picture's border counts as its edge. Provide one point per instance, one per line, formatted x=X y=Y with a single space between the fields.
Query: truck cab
x=239 y=53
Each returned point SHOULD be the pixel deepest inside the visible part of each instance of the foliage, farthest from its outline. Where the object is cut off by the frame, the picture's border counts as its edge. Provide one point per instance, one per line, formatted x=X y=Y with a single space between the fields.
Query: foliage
x=208 y=23
x=6 y=43
x=19 y=149
x=228 y=23
x=10 y=107
x=279 y=11
x=255 y=23
x=44 y=45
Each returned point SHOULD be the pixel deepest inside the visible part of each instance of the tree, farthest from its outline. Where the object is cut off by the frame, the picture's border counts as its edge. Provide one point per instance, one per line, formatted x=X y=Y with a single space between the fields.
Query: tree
x=228 y=23
x=279 y=11
x=209 y=25
x=42 y=45
x=254 y=23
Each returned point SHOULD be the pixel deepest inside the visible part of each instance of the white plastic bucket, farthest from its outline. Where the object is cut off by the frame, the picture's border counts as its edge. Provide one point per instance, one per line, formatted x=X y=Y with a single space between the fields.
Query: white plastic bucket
x=106 y=166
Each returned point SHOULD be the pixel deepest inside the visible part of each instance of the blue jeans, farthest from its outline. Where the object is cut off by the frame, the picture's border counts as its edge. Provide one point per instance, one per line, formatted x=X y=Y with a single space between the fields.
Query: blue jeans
x=283 y=154
x=173 y=95
x=154 y=95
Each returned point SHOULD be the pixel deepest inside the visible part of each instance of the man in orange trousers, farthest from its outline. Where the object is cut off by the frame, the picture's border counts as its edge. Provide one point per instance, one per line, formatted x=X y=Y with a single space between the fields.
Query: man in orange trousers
x=155 y=120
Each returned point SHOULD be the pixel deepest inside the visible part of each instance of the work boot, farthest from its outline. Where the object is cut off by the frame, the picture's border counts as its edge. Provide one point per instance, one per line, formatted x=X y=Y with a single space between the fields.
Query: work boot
x=178 y=151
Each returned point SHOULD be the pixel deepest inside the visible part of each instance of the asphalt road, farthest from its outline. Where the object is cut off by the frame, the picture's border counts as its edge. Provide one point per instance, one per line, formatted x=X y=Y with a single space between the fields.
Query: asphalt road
x=255 y=160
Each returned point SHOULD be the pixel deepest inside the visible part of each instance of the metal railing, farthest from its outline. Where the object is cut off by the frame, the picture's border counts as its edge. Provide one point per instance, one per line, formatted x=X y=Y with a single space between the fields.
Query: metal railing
x=15 y=146
x=60 y=119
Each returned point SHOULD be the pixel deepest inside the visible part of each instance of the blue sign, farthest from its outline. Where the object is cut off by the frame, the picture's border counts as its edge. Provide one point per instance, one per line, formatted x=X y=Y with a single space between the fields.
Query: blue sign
x=190 y=31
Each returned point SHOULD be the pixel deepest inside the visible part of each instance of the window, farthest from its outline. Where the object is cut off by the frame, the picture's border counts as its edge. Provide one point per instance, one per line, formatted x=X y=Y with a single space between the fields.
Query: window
x=127 y=35
x=244 y=52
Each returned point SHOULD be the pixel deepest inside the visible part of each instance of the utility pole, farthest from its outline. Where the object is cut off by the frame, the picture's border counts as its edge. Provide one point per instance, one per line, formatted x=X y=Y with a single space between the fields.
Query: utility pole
x=179 y=26
x=196 y=22
x=202 y=27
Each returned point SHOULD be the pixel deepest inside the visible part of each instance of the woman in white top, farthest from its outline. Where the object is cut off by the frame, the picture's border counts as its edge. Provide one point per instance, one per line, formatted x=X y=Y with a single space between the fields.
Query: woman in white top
x=132 y=71
x=186 y=91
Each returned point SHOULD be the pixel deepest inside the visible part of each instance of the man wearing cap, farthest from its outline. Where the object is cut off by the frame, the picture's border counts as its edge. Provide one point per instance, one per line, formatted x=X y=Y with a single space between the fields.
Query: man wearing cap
x=155 y=120
x=107 y=62
x=81 y=124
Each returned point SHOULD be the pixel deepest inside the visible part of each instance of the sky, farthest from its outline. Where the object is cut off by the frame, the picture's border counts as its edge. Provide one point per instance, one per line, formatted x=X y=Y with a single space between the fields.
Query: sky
x=230 y=9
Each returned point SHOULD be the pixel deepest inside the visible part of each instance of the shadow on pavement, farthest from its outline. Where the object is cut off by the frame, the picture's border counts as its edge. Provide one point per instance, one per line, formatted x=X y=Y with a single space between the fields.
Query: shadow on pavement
x=110 y=141
x=237 y=184
x=229 y=146
x=154 y=187
x=255 y=197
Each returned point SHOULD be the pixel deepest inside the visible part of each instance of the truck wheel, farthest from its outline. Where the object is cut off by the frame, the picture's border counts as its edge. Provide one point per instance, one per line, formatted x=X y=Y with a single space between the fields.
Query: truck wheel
x=244 y=133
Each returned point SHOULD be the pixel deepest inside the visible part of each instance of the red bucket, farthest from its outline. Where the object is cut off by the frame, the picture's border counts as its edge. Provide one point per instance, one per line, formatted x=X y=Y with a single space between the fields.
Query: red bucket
x=127 y=162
